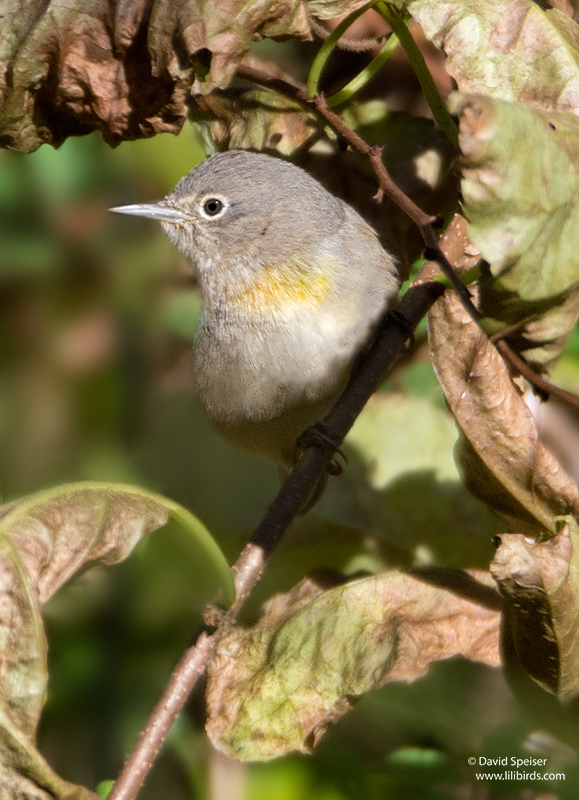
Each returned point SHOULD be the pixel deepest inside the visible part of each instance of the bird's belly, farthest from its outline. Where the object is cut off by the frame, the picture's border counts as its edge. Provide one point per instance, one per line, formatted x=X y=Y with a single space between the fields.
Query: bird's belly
x=274 y=439
x=262 y=388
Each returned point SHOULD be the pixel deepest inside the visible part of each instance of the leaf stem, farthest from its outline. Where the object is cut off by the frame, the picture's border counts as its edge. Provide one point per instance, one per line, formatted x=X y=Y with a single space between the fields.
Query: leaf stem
x=362 y=78
x=328 y=46
x=439 y=111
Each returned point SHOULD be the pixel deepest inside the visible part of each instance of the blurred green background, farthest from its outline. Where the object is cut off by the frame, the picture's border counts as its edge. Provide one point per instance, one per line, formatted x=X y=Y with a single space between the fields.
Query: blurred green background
x=98 y=316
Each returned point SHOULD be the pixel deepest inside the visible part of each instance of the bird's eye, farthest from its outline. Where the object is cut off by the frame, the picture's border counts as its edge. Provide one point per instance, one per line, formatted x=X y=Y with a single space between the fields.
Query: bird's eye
x=212 y=206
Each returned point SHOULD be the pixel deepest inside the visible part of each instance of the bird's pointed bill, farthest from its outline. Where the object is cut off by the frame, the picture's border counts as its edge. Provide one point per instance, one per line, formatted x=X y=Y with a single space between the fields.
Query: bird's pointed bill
x=153 y=211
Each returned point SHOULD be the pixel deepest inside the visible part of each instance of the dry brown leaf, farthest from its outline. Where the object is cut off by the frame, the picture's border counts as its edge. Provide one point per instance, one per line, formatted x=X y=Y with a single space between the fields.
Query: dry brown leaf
x=540 y=584
x=501 y=457
x=279 y=685
x=127 y=68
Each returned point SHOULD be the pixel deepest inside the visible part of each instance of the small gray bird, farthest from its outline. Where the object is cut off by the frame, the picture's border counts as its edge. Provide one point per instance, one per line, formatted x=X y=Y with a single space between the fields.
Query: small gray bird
x=293 y=283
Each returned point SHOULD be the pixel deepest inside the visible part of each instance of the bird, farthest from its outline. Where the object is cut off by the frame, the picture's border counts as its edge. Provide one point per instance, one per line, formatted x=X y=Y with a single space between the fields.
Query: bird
x=293 y=284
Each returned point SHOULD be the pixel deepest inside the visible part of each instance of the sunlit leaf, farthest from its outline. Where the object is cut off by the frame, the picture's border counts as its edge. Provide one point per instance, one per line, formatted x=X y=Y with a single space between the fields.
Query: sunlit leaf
x=45 y=540
x=279 y=685
x=509 y=49
x=501 y=458
x=522 y=204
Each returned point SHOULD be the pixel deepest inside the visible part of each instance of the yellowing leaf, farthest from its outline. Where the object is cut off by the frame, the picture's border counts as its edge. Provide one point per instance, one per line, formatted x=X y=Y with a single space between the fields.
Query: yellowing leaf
x=508 y=49
x=44 y=540
x=279 y=685
x=522 y=203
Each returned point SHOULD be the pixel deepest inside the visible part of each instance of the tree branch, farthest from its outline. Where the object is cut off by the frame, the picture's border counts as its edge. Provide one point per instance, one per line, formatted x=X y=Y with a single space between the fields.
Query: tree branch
x=286 y=506
x=425 y=222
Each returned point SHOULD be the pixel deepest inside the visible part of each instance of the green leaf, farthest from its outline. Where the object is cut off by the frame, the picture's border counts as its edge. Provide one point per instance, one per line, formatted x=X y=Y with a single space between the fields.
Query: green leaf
x=45 y=539
x=522 y=204
x=279 y=685
x=400 y=449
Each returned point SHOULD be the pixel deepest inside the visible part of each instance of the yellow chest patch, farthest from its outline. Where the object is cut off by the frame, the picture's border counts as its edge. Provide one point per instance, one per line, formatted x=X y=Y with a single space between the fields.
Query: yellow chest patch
x=280 y=289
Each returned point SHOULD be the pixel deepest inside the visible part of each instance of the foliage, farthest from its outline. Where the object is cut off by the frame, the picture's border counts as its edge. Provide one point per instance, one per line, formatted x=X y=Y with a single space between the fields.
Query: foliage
x=46 y=539
x=98 y=323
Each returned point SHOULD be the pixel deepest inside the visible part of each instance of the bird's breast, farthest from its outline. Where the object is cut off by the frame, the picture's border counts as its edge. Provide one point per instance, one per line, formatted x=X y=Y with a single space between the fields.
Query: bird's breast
x=277 y=290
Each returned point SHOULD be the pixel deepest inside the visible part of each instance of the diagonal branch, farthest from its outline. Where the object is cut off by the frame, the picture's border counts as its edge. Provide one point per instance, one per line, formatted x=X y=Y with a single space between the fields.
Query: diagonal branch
x=425 y=222
x=294 y=493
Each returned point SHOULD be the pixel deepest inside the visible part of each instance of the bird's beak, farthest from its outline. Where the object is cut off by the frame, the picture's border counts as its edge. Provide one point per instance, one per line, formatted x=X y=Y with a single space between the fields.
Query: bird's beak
x=154 y=211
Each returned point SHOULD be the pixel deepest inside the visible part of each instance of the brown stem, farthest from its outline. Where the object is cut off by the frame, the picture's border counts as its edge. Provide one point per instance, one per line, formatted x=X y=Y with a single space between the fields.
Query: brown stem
x=536 y=380
x=425 y=223
x=318 y=105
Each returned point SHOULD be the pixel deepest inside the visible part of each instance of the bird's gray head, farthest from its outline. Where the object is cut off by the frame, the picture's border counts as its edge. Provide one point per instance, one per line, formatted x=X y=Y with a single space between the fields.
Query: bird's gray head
x=245 y=205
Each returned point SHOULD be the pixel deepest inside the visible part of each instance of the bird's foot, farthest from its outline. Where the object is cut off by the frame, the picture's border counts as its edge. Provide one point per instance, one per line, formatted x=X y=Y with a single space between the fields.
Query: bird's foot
x=318 y=435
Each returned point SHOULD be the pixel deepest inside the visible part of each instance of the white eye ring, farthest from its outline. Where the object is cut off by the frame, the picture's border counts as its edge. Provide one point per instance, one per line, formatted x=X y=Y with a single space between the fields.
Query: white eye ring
x=212 y=207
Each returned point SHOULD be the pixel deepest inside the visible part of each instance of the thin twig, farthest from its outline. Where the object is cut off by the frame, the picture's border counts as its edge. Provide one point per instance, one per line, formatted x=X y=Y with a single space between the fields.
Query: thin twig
x=544 y=386
x=425 y=222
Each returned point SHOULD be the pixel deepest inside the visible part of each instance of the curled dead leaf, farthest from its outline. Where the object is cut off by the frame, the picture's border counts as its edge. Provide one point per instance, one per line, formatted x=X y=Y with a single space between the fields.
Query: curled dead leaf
x=540 y=584
x=501 y=458
x=127 y=69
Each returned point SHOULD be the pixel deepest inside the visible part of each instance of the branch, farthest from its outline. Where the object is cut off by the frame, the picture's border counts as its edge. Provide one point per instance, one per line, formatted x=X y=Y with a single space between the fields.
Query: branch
x=425 y=222
x=291 y=498
x=544 y=386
